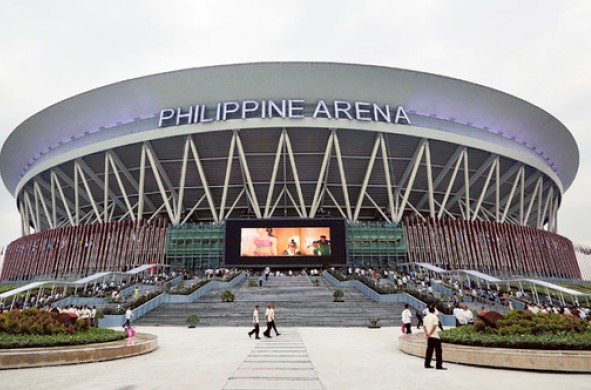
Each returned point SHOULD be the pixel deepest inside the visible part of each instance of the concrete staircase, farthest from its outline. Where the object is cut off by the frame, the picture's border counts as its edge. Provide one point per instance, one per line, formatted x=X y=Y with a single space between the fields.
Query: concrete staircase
x=298 y=303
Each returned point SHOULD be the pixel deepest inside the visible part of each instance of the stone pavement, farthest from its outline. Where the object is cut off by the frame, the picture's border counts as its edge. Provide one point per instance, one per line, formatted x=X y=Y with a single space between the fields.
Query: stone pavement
x=336 y=358
x=278 y=363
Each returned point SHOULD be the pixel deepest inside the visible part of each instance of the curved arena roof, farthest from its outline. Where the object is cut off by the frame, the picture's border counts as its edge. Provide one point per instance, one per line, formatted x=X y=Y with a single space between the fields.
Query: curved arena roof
x=127 y=112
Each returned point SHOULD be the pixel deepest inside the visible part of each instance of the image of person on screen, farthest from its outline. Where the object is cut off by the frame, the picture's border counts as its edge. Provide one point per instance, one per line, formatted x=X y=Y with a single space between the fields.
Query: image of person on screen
x=264 y=243
x=321 y=247
x=292 y=248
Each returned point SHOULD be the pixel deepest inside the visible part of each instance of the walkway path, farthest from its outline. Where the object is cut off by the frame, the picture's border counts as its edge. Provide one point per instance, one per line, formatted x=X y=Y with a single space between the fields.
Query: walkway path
x=278 y=363
x=342 y=359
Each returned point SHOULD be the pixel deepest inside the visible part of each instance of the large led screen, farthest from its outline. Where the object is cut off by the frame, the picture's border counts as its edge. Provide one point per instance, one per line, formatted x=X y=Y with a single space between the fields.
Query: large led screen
x=285 y=242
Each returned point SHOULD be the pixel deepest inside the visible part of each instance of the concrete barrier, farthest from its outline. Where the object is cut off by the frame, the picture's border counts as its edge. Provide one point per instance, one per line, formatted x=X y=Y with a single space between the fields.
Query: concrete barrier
x=372 y=294
x=442 y=289
x=205 y=289
x=523 y=359
x=140 y=344
x=113 y=321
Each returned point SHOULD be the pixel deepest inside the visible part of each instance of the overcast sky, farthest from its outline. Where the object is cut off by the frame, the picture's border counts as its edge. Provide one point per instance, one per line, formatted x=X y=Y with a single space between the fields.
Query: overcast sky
x=539 y=51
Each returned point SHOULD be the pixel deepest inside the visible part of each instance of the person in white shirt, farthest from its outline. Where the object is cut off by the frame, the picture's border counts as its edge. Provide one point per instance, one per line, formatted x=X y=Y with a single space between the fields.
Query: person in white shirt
x=457 y=312
x=255 y=323
x=274 y=318
x=467 y=316
x=93 y=319
x=128 y=315
x=83 y=313
x=269 y=317
x=267 y=272
x=430 y=324
x=407 y=319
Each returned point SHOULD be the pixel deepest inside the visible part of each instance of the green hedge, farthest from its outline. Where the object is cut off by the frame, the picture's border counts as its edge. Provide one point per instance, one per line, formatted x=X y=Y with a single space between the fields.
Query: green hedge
x=430 y=299
x=7 y=288
x=132 y=305
x=37 y=322
x=369 y=282
x=93 y=335
x=337 y=275
x=523 y=329
x=189 y=290
x=467 y=336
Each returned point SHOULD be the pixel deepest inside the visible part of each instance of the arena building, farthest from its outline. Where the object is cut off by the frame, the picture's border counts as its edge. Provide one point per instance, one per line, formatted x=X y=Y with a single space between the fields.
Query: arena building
x=252 y=164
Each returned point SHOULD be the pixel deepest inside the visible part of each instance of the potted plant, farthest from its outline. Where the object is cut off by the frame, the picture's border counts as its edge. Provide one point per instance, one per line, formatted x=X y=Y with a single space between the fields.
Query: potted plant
x=192 y=320
x=339 y=296
x=227 y=296
x=374 y=322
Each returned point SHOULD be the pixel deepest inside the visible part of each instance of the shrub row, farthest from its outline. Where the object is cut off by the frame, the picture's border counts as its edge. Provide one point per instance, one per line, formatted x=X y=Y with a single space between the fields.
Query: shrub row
x=337 y=275
x=524 y=329
x=93 y=335
x=568 y=341
x=132 y=305
x=427 y=298
x=7 y=288
x=430 y=300
x=519 y=322
x=181 y=290
x=189 y=290
x=37 y=322
x=369 y=282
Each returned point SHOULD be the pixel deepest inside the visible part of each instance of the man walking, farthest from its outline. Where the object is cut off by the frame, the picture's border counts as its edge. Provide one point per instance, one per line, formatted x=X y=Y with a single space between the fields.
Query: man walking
x=273 y=322
x=406 y=319
x=433 y=341
x=255 y=323
x=419 y=315
x=269 y=317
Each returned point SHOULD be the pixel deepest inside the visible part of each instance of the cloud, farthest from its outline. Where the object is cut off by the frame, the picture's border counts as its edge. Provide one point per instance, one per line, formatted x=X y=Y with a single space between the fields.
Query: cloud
x=536 y=50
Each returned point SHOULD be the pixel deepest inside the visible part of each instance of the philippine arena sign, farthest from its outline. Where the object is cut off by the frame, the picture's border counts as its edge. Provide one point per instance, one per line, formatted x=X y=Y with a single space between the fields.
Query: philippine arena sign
x=285 y=109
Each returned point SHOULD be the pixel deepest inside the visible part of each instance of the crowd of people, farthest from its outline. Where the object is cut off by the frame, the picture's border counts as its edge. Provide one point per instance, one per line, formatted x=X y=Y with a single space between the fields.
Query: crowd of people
x=111 y=290
x=82 y=312
x=573 y=310
x=465 y=292
x=463 y=315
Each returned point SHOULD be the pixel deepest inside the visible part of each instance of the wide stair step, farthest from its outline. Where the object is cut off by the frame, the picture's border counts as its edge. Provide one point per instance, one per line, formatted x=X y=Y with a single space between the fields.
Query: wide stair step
x=299 y=303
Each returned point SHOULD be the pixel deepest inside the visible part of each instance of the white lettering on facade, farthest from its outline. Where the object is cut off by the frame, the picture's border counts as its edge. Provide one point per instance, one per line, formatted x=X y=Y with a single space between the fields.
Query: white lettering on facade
x=378 y=112
x=249 y=106
x=184 y=115
x=342 y=107
x=295 y=108
x=321 y=109
x=229 y=108
x=284 y=109
x=273 y=107
x=362 y=111
x=166 y=114
x=202 y=115
x=401 y=114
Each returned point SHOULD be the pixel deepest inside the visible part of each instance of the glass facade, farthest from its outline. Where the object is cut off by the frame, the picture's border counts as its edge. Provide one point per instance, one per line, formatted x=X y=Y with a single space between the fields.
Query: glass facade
x=195 y=246
x=369 y=244
x=376 y=244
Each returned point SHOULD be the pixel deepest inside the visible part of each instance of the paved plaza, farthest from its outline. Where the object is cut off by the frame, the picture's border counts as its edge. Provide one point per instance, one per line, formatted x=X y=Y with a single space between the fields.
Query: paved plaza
x=301 y=358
